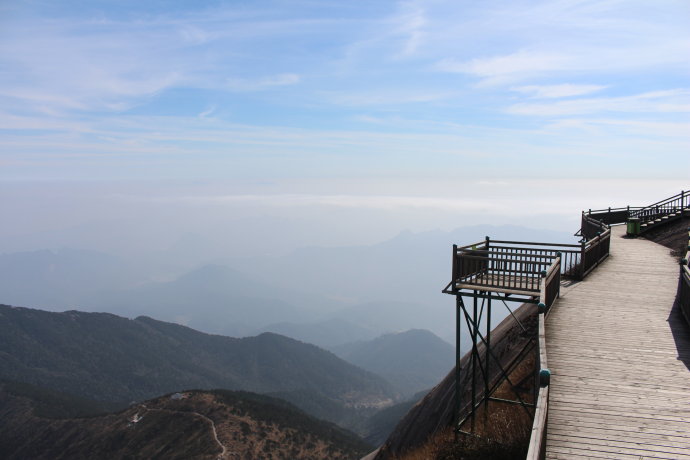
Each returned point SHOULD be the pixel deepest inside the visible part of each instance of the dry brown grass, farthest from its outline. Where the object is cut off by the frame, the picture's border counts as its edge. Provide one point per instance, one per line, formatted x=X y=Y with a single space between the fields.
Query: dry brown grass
x=431 y=449
x=501 y=430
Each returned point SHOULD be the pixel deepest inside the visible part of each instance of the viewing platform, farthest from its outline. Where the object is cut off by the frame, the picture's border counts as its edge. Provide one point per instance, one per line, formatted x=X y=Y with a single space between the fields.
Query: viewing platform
x=611 y=350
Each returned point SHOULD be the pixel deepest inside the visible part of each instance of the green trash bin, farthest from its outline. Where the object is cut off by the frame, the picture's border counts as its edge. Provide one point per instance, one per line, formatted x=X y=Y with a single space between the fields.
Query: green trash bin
x=634 y=226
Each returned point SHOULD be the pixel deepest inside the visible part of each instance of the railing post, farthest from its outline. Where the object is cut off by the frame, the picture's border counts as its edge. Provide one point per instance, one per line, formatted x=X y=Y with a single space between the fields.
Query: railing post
x=559 y=254
x=598 y=251
x=583 y=244
x=488 y=255
x=455 y=265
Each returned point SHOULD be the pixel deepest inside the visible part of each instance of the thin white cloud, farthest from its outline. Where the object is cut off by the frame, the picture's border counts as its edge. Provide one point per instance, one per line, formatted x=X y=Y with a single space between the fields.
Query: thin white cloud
x=372 y=202
x=518 y=64
x=207 y=112
x=558 y=91
x=387 y=96
x=411 y=24
x=629 y=128
x=668 y=101
x=284 y=79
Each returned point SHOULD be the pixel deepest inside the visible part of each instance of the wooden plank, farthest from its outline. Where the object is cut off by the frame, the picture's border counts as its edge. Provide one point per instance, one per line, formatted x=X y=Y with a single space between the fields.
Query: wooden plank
x=612 y=451
x=662 y=437
x=567 y=452
x=627 y=444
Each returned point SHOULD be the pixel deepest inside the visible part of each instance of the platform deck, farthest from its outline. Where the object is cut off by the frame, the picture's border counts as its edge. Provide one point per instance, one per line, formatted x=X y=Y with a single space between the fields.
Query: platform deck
x=620 y=356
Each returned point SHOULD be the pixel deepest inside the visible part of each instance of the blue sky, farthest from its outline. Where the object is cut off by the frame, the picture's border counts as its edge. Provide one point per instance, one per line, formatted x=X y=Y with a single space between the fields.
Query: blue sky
x=434 y=105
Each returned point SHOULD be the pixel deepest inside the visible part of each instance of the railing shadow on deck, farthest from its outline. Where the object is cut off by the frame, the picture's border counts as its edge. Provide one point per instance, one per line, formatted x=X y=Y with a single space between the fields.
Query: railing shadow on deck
x=680 y=329
x=679 y=318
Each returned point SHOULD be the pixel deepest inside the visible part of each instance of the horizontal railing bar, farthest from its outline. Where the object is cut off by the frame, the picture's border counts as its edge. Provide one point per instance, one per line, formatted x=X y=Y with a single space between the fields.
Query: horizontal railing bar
x=604 y=211
x=498 y=259
x=542 y=252
x=496 y=271
x=666 y=200
x=569 y=245
x=512 y=251
x=471 y=245
x=483 y=253
x=556 y=264
x=531 y=287
x=506 y=290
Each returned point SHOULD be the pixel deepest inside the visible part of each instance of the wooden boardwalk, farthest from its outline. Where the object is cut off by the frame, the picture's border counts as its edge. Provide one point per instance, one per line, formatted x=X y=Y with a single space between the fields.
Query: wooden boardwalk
x=619 y=357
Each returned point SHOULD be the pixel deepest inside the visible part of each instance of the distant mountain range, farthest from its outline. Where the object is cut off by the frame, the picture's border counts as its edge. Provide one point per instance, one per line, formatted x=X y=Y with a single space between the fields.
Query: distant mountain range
x=411 y=267
x=190 y=425
x=212 y=298
x=328 y=296
x=108 y=358
x=412 y=361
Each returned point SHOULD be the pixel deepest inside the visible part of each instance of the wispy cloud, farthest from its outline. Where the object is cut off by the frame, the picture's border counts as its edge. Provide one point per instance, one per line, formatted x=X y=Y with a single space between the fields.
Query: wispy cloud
x=206 y=113
x=386 y=96
x=262 y=83
x=558 y=91
x=410 y=23
x=669 y=101
x=503 y=69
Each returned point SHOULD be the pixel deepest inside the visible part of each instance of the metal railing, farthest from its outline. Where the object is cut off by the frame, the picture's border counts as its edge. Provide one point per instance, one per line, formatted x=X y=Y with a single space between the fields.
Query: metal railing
x=550 y=287
x=591 y=225
x=501 y=269
x=570 y=253
x=646 y=217
x=666 y=206
x=594 y=252
x=656 y=213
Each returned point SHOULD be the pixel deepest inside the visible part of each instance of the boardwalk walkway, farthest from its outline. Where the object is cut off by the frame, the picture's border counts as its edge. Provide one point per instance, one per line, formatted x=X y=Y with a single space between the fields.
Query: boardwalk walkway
x=620 y=385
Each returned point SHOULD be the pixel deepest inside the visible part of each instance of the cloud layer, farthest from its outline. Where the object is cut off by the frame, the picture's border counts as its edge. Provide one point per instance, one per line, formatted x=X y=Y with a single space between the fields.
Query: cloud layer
x=279 y=89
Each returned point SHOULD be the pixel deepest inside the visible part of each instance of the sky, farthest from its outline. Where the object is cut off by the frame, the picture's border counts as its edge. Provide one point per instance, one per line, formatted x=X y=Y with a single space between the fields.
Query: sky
x=327 y=122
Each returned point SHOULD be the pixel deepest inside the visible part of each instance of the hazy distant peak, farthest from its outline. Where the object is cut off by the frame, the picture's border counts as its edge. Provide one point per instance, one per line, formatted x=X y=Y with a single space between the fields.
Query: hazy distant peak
x=211 y=273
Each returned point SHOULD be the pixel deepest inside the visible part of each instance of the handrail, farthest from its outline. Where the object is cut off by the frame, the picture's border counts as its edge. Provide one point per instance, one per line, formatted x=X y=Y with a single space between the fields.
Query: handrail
x=526 y=243
x=537 y=441
x=681 y=195
x=649 y=216
x=622 y=208
x=594 y=252
x=656 y=214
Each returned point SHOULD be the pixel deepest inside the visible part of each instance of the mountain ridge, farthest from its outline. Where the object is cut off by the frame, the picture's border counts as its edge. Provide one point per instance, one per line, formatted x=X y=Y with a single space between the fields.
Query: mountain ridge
x=105 y=357
x=193 y=424
x=412 y=360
